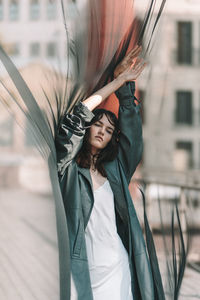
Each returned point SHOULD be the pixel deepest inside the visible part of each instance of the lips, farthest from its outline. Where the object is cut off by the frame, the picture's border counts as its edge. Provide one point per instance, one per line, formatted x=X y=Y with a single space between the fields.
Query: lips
x=99 y=138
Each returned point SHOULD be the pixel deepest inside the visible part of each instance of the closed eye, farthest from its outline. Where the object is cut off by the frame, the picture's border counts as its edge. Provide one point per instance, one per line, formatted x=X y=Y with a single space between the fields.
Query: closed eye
x=97 y=124
x=109 y=132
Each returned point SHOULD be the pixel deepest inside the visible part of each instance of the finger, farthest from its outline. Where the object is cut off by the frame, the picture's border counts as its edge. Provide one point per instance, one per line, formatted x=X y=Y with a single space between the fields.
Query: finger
x=139 y=71
x=140 y=63
x=136 y=49
x=133 y=73
x=131 y=55
x=136 y=71
x=127 y=62
x=137 y=62
x=135 y=52
x=140 y=68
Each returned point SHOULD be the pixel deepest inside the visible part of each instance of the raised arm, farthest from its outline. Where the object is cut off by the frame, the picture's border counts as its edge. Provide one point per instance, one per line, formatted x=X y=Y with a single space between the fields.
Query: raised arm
x=129 y=69
x=130 y=139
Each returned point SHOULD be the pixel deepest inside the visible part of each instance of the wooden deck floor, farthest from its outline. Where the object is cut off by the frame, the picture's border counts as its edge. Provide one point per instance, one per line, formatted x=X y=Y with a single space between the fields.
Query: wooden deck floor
x=28 y=250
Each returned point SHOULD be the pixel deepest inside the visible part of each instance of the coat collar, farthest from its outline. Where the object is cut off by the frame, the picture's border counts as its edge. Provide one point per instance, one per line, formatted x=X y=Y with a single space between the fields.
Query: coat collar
x=86 y=173
x=111 y=171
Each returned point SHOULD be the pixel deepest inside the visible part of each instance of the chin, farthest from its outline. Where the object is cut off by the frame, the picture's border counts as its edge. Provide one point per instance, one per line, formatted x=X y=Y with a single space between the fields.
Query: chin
x=97 y=145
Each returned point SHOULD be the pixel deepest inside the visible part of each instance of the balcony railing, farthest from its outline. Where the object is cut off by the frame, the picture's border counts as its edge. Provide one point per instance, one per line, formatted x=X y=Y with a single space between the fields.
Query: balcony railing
x=187 y=197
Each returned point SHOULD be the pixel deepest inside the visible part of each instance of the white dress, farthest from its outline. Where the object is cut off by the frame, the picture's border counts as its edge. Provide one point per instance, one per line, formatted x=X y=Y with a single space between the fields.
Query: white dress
x=107 y=257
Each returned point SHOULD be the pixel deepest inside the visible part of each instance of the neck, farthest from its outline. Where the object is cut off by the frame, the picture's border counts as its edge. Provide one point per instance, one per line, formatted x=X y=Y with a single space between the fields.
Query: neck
x=94 y=151
x=93 y=161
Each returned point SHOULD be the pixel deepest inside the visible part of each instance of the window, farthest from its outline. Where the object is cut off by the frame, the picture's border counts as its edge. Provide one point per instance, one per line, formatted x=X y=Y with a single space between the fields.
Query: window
x=34 y=49
x=188 y=148
x=184 y=107
x=51 y=9
x=14 y=10
x=1 y=10
x=184 y=47
x=34 y=9
x=51 y=49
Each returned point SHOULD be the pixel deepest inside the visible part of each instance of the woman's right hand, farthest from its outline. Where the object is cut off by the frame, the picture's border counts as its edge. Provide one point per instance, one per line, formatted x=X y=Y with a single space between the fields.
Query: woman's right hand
x=128 y=70
x=134 y=71
x=131 y=66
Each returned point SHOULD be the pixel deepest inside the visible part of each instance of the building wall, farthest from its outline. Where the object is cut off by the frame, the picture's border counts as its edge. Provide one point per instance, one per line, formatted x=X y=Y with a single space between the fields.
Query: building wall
x=24 y=31
x=163 y=78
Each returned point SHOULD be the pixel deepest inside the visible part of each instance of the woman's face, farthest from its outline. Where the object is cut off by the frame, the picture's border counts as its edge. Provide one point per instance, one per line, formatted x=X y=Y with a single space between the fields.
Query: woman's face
x=100 y=134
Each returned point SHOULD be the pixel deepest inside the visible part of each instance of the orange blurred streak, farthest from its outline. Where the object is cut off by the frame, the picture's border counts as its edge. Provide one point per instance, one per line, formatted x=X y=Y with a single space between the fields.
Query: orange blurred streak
x=108 y=28
x=112 y=103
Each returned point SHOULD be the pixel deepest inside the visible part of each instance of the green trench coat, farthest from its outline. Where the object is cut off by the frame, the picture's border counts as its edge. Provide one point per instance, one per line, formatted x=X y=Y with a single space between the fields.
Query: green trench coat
x=76 y=187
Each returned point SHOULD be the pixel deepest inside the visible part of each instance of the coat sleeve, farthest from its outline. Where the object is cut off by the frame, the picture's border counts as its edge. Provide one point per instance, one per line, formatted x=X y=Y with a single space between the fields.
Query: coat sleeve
x=70 y=135
x=130 y=126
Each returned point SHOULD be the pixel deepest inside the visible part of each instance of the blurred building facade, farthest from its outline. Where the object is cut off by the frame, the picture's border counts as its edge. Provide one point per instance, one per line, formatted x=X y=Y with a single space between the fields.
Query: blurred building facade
x=33 y=35
x=171 y=92
x=32 y=30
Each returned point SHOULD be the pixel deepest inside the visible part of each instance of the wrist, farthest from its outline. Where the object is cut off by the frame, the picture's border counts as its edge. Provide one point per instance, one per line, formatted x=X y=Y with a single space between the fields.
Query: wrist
x=125 y=94
x=120 y=81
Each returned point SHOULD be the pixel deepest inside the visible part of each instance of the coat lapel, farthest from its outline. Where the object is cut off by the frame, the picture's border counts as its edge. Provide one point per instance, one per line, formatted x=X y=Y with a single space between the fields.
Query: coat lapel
x=113 y=175
x=87 y=198
x=86 y=174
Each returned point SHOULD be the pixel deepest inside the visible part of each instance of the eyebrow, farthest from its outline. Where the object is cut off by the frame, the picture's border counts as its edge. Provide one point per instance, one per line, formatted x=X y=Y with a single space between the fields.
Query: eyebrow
x=112 y=128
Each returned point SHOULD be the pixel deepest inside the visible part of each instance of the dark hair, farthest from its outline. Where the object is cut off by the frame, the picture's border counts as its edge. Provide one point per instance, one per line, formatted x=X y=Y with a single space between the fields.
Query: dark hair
x=84 y=158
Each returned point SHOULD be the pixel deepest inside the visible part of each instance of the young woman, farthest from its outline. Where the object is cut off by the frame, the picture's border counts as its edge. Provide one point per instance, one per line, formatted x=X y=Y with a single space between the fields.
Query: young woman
x=97 y=156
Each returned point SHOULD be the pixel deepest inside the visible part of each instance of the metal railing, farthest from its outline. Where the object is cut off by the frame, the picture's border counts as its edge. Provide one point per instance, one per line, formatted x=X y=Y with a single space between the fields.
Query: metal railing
x=186 y=196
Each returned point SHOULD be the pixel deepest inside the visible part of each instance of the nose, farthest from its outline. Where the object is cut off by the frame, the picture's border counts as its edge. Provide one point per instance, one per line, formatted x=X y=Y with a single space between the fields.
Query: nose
x=101 y=130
